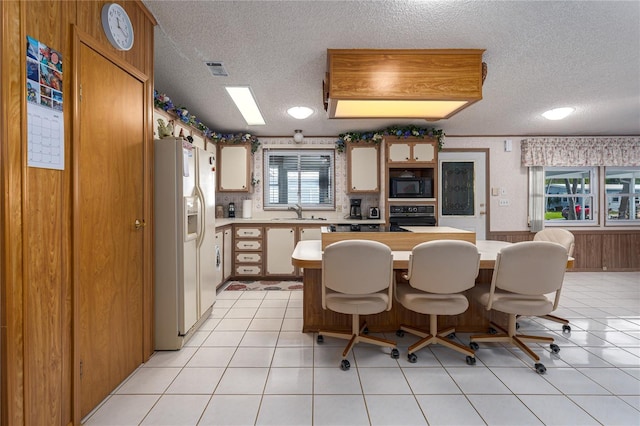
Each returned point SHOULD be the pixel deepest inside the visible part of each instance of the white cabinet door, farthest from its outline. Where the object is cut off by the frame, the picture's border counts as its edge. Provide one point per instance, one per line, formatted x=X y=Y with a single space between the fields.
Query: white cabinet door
x=411 y=152
x=227 y=254
x=233 y=167
x=310 y=233
x=423 y=152
x=398 y=152
x=362 y=165
x=279 y=248
x=218 y=257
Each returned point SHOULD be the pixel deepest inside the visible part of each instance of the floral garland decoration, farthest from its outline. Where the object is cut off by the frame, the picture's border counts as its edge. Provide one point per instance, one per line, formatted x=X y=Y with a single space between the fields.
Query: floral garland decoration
x=400 y=132
x=162 y=101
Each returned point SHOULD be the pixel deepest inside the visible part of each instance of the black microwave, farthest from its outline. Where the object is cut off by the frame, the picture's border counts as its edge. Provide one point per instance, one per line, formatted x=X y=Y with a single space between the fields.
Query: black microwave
x=410 y=187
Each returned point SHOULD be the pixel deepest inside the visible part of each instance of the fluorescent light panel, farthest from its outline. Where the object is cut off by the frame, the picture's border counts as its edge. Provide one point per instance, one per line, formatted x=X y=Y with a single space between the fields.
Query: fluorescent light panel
x=396 y=109
x=246 y=103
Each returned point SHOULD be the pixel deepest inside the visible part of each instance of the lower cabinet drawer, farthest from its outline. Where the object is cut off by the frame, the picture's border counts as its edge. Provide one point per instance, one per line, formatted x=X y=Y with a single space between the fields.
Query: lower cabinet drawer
x=248 y=257
x=248 y=245
x=248 y=270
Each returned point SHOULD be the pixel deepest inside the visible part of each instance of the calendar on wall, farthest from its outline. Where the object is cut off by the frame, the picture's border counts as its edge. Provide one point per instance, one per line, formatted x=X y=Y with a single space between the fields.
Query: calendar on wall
x=45 y=118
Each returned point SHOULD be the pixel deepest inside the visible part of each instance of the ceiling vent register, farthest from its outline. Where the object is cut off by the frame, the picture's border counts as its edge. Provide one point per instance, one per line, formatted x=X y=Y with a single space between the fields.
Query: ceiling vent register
x=217 y=69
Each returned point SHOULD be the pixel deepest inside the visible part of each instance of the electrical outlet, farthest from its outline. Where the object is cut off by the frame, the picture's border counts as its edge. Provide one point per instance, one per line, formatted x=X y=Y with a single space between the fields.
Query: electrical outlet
x=339 y=209
x=503 y=202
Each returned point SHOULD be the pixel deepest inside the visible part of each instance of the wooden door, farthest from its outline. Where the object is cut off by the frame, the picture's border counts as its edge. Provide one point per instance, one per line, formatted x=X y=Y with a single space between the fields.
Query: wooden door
x=108 y=247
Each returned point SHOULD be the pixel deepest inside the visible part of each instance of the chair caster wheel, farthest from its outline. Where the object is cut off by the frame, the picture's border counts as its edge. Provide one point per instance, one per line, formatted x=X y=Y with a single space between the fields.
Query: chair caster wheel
x=400 y=333
x=554 y=348
x=412 y=358
x=540 y=368
x=395 y=354
x=320 y=339
x=566 y=328
x=451 y=336
x=471 y=360
x=517 y=325
x=474 y=346
x=365 y=330
x=493 y=330
x=345 y=365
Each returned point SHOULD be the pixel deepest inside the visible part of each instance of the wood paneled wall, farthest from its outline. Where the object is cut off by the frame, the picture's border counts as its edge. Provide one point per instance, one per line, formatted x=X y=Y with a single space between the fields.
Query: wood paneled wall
x=595 y=250
x=36 y=224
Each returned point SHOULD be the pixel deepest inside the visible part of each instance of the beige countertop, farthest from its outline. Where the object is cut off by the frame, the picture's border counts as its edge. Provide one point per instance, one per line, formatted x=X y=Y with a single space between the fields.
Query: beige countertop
x=308 y=254
x=293 y=221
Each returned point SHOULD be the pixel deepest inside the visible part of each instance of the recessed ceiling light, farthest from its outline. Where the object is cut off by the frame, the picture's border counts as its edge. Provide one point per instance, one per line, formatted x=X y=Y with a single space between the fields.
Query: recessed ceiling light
x=300 y=112
x=558 y=113
x=246 y=103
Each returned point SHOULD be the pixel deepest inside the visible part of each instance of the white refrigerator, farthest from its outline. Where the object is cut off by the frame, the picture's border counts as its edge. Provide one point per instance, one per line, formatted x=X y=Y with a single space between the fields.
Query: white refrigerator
x=185 y=252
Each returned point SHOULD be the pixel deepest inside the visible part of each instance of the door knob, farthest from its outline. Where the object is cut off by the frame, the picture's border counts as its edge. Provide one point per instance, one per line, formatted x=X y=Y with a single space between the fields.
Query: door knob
x=140 y=224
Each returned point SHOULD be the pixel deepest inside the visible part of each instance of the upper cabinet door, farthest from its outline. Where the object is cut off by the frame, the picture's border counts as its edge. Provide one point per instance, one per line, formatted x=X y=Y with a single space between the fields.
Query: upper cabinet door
x=424 y=152
x=398 y=152
x=414 y=152
x=363 y=167
x=233 y=167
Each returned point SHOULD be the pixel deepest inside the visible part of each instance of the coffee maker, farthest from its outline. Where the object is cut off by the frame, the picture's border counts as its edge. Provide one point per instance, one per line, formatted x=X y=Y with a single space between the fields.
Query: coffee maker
x=355 y=211
x=232 y=210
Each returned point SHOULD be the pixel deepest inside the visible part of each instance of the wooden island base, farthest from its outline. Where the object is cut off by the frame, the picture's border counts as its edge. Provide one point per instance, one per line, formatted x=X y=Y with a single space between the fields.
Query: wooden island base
x=475 y=319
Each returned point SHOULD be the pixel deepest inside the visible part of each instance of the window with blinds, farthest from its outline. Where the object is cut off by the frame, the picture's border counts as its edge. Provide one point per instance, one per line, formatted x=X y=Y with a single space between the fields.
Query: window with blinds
x=304 y=177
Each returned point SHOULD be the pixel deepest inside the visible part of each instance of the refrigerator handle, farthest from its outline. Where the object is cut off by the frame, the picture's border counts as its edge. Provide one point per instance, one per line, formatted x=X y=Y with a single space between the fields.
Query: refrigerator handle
x=201 y=216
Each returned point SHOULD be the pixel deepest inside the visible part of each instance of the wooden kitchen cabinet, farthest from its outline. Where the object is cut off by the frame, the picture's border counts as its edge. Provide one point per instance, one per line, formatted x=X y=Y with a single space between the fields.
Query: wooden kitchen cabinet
x=219 y=248
x=411 y=152
x=234 y=164
x=309 y=233
x=280 y=242
x=363 y=167
x=248 y=255
x=227 y=253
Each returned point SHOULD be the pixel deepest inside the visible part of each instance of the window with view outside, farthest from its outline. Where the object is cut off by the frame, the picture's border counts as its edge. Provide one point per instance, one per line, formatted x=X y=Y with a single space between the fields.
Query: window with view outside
x=304 y=177
x=622 y=187
x=569 y=194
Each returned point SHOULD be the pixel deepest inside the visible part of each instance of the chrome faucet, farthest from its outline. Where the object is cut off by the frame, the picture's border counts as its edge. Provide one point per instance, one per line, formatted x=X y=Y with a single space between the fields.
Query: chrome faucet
x=297 y=209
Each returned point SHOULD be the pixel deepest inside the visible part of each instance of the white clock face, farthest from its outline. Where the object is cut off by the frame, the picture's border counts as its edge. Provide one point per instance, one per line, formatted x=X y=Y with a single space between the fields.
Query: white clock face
x=117 y=26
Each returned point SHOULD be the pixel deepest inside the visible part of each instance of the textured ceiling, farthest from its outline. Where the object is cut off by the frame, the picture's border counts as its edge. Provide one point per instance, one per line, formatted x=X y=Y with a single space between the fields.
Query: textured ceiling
x=539 y=54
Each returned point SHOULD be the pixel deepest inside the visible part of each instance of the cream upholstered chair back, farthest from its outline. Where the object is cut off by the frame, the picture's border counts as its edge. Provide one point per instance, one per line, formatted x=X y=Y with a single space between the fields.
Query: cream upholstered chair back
x=357 y=267
x=557 y=235
x=530 y=268
x=443 y=266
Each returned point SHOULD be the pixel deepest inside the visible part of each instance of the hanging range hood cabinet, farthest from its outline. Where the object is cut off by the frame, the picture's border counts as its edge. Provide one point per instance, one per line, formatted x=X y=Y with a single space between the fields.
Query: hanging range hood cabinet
x=432 y=84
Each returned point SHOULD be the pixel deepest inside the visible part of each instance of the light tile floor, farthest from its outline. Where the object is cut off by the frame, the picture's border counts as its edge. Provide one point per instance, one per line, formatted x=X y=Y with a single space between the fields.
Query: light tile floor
x=250 y=364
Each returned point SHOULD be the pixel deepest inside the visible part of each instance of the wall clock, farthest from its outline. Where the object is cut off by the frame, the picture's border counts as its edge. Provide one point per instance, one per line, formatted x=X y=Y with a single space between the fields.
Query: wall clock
x=117 y=26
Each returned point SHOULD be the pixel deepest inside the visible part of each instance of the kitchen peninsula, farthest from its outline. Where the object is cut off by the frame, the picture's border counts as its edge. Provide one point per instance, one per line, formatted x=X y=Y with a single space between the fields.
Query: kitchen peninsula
x=308 y=255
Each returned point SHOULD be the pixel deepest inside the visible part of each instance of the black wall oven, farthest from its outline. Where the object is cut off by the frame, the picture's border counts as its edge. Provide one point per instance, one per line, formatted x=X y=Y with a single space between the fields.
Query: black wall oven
x=400 y=216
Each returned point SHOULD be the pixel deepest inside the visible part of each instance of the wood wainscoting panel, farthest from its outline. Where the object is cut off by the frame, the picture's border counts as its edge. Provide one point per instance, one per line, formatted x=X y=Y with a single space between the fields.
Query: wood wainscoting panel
x=596 y=250
x=621 y=251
